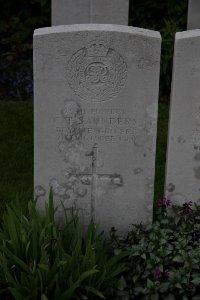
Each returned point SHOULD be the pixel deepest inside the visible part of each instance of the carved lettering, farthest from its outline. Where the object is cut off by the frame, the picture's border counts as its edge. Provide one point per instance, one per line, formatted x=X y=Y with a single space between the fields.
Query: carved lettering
x=95 y=125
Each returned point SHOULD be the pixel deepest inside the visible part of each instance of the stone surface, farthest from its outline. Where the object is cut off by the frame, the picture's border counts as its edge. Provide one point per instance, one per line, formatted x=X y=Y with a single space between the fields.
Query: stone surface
x=183 y=157
x=193 y=14
x=95 y=111
x=67 y=12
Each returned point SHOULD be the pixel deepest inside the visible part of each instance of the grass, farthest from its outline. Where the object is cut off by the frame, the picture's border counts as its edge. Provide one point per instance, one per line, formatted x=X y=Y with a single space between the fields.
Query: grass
x=163 y=116
x=16 y=151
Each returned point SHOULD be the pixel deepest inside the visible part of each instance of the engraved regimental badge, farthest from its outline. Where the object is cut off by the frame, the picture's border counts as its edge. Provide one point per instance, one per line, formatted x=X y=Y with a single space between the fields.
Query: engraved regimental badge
x=96 y=73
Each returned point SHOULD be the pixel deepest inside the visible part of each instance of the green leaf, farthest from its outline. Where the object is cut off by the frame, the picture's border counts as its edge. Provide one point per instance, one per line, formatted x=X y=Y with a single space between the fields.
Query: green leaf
x=196 y=297
x=51 y=209
x=178 y=285
x=178 y=259
x=17 y=295
x=95 y=292
x=44 y=297
x=74 y=286
x=196 y=280
x=144 y=256
x=135 y=278
x=16 y=259
x=155 y=297
x=164 y=287
x=149 y=283
x=43 y=267
x=121 y=284
x=122 y=294
x=7 y=272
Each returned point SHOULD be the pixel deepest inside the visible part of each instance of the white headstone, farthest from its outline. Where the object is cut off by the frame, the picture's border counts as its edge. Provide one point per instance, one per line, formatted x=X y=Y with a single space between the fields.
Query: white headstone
x=95 y=99
x=193 y=14
x=183 y=156
x=67 y=12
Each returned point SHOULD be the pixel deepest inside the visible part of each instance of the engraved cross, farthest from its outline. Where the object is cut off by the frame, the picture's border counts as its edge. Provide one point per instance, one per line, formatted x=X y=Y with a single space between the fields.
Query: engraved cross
x=115 y=179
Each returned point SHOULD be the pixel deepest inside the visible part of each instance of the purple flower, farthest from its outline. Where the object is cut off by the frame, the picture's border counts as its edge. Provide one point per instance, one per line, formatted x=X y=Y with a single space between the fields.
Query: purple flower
x=196 y=235
x=187 y=210
x=187 y=206
x=164 y=203
x=165 y=274
x=191 y=288
x=157 y=273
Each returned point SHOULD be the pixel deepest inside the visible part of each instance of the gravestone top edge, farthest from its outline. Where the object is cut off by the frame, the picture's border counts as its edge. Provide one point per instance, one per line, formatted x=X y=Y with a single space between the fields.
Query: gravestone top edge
x=97 y=27
x=188 y=34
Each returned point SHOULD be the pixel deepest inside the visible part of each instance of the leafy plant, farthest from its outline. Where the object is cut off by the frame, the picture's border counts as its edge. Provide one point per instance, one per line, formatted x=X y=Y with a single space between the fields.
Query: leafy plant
x=18 y=21
x=164 y=257
x=41 y=260
x=25 y=16
x=17 y=78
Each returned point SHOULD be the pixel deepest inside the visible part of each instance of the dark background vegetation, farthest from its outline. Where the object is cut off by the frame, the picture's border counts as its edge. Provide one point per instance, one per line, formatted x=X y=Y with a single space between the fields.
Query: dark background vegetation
x=19 y=18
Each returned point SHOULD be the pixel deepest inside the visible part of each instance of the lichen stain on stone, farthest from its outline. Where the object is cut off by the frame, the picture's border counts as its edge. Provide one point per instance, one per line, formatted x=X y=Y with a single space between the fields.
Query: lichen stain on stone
x=39 y=191
x=176 y=198
x=58 y=189
x=108 y=183
x=149 y=187
x=181 y=140
x=141 y=137
x=69 y=191
x=149 y=179
x=73 y=116
x=196 y=147
x=73 y=155
x=76 y=181
x=171 y=187
x=197 y=172
x=138 y=171
x=150 y=207
x=71 y=109
x=86 y=179
x=81 y=191
x=116 y=180
x=152 y=110
x=61 y=147
x=100 y=159
x=197 y=156
x=100 y=191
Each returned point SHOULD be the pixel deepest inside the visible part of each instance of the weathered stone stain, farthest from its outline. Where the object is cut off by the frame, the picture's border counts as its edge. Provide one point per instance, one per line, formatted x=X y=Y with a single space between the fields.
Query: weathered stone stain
x=197 y=172
x=138 y=171
x=197 y=156
x=170 y=187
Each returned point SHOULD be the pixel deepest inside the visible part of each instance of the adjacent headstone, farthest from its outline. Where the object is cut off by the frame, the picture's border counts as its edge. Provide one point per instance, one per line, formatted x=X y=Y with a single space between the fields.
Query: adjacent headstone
x=193 y=14
x=95 y=108
x=67 y=12
x=183 y=156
